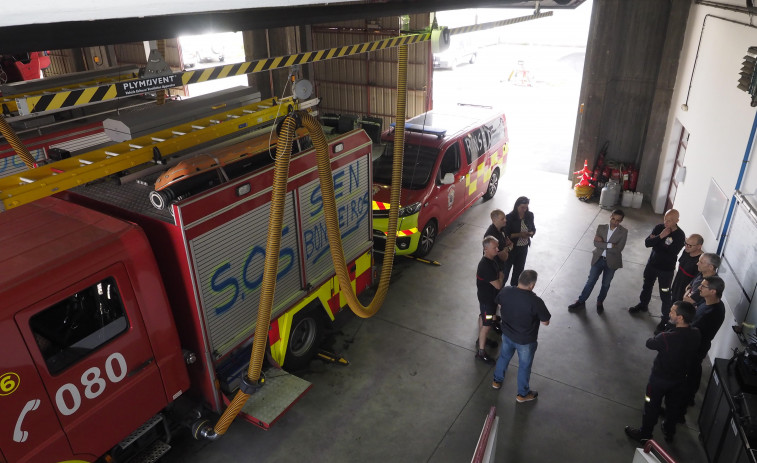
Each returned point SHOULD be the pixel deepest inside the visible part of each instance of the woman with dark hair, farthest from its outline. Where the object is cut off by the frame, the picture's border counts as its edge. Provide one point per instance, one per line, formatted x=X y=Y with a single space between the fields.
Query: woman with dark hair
x=520 y=228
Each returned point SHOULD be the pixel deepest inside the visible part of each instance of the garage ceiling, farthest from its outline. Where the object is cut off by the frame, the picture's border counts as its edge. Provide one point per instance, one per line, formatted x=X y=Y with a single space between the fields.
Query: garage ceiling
x=29 y=26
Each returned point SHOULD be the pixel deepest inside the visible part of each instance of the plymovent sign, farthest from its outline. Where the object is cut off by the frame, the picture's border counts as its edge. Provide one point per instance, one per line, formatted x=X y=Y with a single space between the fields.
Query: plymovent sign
x=134 y=87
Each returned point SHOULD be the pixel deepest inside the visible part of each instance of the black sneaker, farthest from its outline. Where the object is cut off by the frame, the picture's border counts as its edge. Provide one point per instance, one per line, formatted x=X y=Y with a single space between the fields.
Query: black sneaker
x=600 y=307
x=577 y=306
x=489 y=343
x=637 y=308
x=481 y=355
x=637 y=435
x=669 y=435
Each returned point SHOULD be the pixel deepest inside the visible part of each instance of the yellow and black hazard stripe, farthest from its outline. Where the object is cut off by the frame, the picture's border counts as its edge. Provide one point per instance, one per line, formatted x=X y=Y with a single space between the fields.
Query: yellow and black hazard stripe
x=36 y=104
x=72 y=98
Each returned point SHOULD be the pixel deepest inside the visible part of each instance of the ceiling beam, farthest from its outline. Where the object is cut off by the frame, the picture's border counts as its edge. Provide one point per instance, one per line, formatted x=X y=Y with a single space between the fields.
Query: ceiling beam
x=78 y=34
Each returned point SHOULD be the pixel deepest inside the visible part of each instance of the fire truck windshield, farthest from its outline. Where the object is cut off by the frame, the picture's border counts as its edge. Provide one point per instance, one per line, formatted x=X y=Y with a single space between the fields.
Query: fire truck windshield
x=417 y=166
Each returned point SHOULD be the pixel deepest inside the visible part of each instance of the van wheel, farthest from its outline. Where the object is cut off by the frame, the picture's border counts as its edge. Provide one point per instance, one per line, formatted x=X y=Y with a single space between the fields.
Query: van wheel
x=491 y=190
x=304 y=339
x=427 y=239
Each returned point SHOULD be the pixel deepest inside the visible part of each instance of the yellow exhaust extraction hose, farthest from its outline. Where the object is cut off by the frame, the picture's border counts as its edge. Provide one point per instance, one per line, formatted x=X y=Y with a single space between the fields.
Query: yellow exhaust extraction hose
x=273 y=244
x=270 y=268
x=329 y=201
x=15 y=142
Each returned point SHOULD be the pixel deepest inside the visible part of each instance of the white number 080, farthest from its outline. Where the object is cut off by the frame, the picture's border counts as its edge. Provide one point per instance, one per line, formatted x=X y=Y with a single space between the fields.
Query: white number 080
x=93 y=384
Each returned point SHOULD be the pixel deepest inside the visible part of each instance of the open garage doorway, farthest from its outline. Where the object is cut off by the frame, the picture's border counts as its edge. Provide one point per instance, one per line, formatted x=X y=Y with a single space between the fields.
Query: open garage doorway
x=209 y=50
x=532 y=70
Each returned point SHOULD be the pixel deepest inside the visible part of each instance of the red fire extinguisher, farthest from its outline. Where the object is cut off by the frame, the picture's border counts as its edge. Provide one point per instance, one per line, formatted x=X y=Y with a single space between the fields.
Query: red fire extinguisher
x=634 y=179
x=624 y=175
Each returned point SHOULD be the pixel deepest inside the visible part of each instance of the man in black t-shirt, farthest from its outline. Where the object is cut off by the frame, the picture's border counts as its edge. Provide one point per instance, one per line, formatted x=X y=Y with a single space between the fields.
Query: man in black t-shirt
x=709 y=317
x=687 y=265
x=522 y=314
x=707 y=265
x=504 y=245
x=676 y=356
x=666 y=241
x=488 y=283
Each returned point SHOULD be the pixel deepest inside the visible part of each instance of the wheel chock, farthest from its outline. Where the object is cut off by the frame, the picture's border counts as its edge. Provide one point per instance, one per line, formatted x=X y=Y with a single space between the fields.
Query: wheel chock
x=332 y=357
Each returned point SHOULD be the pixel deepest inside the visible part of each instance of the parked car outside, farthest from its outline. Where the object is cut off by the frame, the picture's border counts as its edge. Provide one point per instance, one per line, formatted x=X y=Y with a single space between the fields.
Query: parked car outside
x=461 y=50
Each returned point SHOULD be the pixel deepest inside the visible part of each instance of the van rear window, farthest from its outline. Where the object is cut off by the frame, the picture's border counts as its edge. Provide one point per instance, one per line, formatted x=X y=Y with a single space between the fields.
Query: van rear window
x=418 y=162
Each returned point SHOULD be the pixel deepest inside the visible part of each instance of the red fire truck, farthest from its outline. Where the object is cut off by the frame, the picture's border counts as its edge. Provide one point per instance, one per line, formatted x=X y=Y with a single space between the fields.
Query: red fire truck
x=119 y=319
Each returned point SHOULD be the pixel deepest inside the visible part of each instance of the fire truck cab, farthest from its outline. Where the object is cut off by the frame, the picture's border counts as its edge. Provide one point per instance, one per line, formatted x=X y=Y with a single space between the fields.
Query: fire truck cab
x=87 y=332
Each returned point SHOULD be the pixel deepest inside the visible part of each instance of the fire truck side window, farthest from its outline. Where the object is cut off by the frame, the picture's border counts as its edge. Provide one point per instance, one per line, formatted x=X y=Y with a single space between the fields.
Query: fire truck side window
x=69 y=330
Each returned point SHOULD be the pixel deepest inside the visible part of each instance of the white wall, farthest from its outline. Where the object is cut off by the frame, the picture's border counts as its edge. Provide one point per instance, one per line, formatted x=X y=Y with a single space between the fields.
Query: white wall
x=719 y=119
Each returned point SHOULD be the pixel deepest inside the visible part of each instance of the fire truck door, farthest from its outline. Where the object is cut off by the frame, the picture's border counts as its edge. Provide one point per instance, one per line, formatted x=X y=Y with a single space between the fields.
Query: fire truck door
x=29 y=430
x=90 y=346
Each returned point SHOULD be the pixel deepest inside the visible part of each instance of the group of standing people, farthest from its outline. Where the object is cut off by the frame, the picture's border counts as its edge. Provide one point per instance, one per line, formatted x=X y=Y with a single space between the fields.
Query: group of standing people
x=691 y=312
x=692 y=308
x=505 y=248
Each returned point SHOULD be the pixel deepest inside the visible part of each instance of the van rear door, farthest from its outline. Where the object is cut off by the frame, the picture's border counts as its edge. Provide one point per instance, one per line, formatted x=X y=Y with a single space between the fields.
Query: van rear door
x=91 y=349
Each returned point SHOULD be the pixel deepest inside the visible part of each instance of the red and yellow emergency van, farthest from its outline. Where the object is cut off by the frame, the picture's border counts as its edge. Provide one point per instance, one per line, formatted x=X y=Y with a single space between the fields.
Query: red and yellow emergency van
x=451 y=159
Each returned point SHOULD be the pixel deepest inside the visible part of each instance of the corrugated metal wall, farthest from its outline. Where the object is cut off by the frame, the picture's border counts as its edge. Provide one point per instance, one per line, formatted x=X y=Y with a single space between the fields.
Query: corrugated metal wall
x=61 y=62
x=365 y=84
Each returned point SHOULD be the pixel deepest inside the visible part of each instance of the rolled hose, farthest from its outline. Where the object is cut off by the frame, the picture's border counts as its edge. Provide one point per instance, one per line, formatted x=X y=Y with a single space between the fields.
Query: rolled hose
x=15 y=142
x=273 y=243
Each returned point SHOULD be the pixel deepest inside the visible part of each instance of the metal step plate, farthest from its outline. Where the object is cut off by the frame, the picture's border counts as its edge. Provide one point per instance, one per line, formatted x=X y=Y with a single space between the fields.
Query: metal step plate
x=280 y=392
x=152 y=453
x=140 y=431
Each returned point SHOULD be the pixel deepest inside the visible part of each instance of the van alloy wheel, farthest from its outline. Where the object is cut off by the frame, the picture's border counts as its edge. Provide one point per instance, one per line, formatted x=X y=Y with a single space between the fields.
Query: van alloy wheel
x=491 y=190
x=427 y=239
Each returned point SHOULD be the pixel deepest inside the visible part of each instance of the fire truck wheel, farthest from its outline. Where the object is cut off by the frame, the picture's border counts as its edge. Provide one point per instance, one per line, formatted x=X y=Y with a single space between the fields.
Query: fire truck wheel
x=305 y=338
x=491 y=190
x=427 y=239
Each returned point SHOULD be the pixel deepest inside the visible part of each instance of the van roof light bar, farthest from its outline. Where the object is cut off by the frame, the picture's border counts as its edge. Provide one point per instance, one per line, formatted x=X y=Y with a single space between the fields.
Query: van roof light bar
x=418 y=128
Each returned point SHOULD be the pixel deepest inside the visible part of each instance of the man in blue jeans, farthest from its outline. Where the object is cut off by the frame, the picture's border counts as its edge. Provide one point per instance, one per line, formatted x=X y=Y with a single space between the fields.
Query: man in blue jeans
x=609 y=242
x=522 y=312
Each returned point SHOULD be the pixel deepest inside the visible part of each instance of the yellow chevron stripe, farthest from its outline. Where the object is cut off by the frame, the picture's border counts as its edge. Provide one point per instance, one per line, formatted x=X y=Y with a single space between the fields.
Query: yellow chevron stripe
x=206 y=74
x=259 y=65
x=224 y=72
x=267 y=64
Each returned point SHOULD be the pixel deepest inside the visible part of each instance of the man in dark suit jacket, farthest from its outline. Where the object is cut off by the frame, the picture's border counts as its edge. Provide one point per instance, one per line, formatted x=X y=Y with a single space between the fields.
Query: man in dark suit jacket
x=609 y=242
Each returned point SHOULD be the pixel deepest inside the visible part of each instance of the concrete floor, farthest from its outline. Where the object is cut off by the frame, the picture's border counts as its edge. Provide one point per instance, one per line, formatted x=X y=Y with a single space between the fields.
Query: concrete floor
x=415 y=393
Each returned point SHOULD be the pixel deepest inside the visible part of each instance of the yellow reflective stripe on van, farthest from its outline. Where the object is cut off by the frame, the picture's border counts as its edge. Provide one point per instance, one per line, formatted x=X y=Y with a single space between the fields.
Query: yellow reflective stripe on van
x=408 y=232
